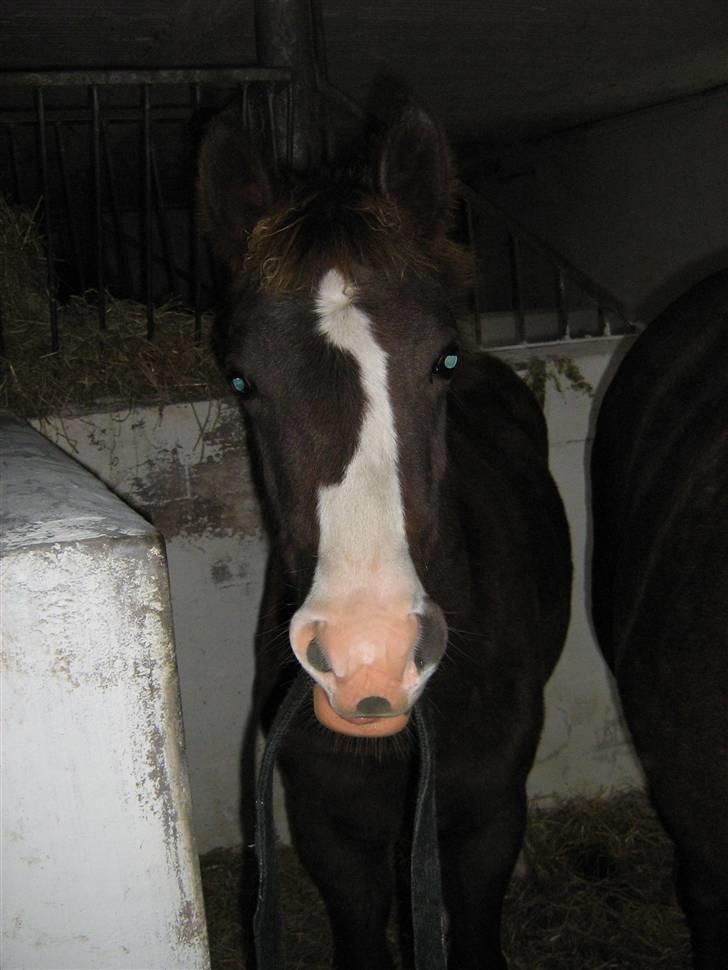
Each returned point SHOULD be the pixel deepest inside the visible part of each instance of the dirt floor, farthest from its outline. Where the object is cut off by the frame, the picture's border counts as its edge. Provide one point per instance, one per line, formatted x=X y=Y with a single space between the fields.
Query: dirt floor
x=597 y=895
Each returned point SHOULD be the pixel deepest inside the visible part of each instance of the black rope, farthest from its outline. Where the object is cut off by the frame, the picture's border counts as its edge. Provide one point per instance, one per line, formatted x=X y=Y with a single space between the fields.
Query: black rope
x=267 y=925
x=427 y=909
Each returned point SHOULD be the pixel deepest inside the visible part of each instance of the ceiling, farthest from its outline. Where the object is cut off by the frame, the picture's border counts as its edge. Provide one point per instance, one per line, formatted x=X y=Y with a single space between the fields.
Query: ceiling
x=492 y=70
x=502 y=69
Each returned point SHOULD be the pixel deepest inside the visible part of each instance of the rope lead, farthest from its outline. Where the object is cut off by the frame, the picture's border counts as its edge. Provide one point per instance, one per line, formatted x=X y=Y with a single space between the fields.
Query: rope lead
x=427 y=908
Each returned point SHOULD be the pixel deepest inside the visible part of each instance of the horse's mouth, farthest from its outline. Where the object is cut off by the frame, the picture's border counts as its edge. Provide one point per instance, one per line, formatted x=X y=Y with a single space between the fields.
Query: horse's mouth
x=364 y=727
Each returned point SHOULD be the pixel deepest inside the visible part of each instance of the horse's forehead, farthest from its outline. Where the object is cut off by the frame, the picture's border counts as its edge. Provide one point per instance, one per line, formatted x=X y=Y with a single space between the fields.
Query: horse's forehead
x=307 y=328
x=306 y=333
x=401 y=317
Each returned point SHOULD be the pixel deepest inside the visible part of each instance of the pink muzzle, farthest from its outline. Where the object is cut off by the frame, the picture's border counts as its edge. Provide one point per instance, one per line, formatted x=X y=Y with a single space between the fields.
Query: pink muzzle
x=370 y=662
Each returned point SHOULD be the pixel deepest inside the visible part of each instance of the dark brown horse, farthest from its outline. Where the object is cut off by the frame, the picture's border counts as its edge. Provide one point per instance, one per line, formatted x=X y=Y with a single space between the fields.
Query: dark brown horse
x=660 y=585
x=417 y=540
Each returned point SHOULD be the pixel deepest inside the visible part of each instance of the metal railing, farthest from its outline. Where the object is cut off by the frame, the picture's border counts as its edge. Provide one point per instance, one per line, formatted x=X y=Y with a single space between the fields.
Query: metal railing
x=525 y=292
x=107 y=160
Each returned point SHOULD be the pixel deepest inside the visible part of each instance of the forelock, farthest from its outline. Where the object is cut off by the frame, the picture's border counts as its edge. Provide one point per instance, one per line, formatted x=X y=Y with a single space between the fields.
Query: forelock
x=341 y=227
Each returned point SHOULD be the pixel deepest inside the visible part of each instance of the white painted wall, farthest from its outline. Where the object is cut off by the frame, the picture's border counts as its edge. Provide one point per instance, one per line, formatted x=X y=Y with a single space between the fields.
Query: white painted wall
x=639 y=203
x=185 y=467
x=584 y=747
x=216 y=560
x=99 y=864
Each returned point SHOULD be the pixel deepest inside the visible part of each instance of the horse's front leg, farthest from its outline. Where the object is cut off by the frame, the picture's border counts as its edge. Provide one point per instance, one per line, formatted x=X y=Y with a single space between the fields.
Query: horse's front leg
x=701 y=894
x=345 y=815
x=479 y=847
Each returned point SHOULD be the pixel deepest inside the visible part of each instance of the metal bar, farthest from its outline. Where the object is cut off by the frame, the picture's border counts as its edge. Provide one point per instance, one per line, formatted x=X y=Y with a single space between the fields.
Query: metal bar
x=196 y=244
x=514 y=258
x=78 y=115
x=519 y=354
x=243 y=89
x=477 y=324
x=162 y=223
x=290 y=105
x=283 y=37
x=593 y=290
x=98 y=205
x=279 y=80
x=69 y=208
x=270 y=105
x=562 y=308
x=50 y=254
x=147 y=209
x=3 y=354
x=122 y=249
x=100 y=78
x=605 y=329
x=14 y=168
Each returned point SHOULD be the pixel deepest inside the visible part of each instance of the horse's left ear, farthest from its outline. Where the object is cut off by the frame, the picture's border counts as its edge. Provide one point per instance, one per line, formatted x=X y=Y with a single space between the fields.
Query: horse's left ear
x=234 y=189
x=416 y=173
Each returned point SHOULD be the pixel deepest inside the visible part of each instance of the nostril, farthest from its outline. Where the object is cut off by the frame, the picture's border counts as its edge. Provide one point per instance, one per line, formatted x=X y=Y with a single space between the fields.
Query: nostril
x=317 y=658
x=432 y=638
x=374 y=707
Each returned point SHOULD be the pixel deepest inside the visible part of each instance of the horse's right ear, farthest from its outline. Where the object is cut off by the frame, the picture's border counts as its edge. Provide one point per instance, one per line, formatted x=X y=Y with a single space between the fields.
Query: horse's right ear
x=415 y=172
x=233 y=189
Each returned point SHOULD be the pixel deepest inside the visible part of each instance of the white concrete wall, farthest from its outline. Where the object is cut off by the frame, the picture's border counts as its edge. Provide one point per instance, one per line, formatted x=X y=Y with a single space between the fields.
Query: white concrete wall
x=184 y=466
x=216 y=556
x=99 y=863
x=584 y=747
x=639 y=203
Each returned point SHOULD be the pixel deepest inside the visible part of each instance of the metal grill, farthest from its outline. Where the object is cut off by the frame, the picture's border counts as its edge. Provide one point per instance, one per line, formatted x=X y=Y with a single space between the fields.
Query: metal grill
x=524 y=292
x=107 y=158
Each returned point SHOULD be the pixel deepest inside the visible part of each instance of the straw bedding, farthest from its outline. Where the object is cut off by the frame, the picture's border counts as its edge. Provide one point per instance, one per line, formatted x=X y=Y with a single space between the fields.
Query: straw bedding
x=597 y=895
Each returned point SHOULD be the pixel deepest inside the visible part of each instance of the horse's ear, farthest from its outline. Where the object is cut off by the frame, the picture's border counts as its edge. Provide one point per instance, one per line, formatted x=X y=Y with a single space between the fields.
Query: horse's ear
x=415 y=172
x=233 y=189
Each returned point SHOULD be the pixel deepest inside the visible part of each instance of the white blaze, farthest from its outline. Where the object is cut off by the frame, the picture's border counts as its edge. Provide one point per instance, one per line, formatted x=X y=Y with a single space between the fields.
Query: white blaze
x=363 y=543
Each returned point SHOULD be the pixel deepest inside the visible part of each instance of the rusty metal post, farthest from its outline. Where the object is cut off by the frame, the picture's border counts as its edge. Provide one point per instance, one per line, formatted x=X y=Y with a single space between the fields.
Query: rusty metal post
x=285 y=37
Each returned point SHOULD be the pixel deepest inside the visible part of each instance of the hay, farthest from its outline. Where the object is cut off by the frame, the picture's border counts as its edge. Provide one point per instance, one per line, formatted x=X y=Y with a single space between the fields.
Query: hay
x=23 y=273
x=597 y=896
x=120 y=364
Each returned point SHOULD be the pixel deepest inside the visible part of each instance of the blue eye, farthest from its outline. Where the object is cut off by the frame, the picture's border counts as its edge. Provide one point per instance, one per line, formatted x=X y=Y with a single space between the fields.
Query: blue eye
x=447 y=362
x=241 y=385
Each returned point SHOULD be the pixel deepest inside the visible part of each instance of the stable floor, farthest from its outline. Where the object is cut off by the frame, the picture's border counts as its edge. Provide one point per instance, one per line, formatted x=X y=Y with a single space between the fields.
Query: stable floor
x=597 y=896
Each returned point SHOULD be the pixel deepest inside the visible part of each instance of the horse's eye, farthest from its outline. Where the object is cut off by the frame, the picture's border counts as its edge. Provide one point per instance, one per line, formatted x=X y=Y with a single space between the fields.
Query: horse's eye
x=241 y=385
x=447 y=362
